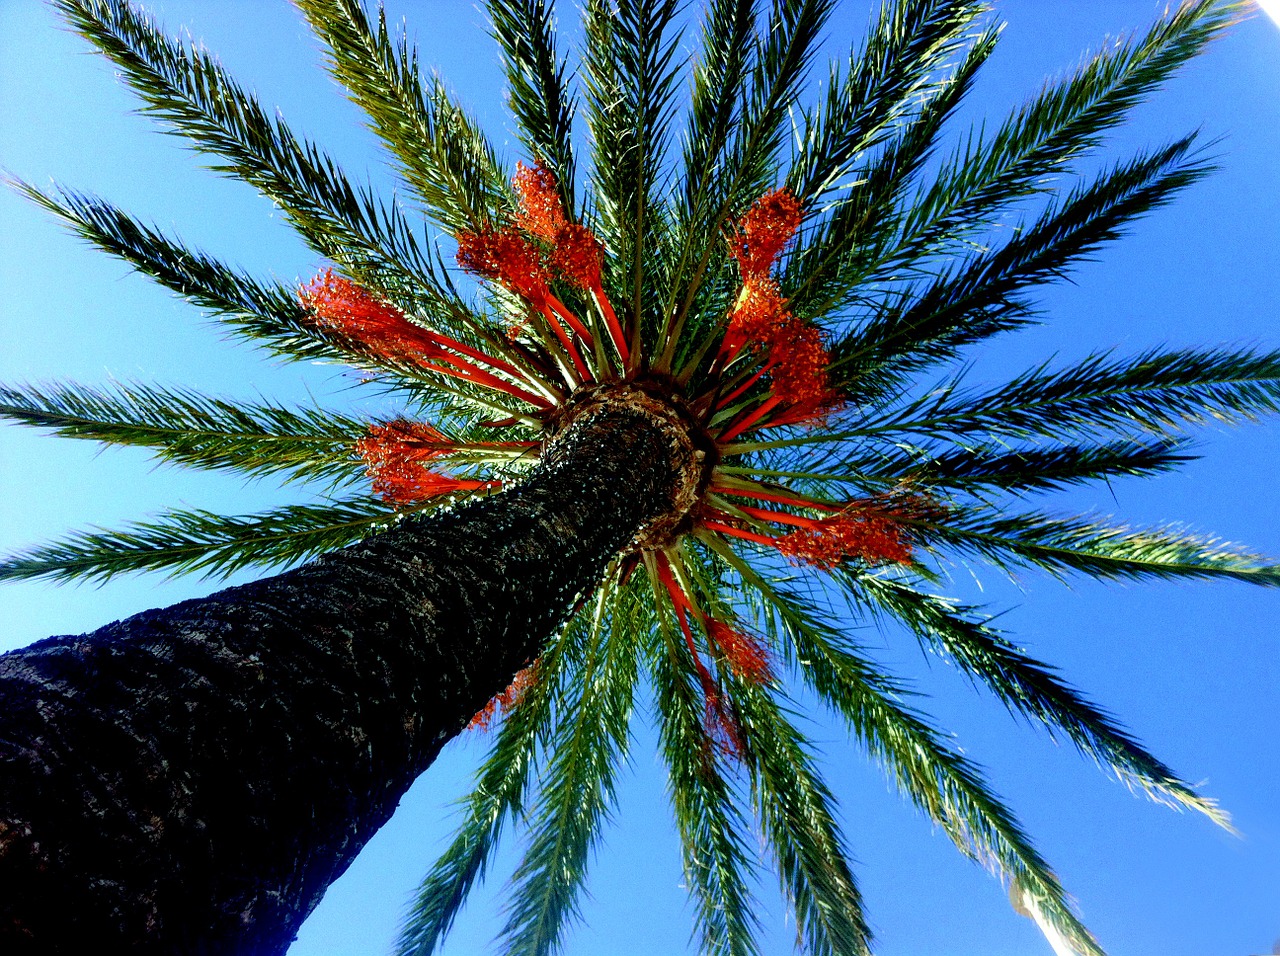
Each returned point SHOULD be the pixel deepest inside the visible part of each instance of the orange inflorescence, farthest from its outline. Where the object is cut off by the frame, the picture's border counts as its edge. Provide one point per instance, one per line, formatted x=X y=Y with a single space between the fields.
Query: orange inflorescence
x=720 y=723
x=395 y=456
x=504 y=255
x=758 y=316
x=746 y=655
x=578 y=256
x=505 y=700
x=799 y=364
x=575 y=251
x=541 y=212
x=345 y=307
x=764 y=231
x=872 y=531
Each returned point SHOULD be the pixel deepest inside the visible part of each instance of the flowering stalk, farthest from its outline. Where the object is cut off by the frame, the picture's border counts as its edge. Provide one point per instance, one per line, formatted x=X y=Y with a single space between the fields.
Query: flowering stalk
x=505 y=700
x=396 y=455
x=341 y=305
x=576 y=253
x=720 y=724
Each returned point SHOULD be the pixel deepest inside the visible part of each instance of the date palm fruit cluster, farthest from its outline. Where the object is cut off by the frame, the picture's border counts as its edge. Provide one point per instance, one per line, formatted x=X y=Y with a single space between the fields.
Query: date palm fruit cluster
x=790 y=280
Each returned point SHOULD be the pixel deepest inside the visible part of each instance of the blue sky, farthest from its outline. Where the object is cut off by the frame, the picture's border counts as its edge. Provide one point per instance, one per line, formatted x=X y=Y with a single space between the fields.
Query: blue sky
x=1192 y=669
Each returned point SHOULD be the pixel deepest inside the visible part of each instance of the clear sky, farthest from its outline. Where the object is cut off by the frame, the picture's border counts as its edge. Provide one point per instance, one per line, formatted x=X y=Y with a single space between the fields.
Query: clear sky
x=1192 y=669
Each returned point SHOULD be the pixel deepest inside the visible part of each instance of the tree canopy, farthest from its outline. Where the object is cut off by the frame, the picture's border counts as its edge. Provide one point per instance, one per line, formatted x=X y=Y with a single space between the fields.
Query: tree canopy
x=808 y=275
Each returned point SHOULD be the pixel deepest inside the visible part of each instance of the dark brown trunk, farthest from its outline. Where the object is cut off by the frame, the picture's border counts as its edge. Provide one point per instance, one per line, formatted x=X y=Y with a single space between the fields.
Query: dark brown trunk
x=191 y=779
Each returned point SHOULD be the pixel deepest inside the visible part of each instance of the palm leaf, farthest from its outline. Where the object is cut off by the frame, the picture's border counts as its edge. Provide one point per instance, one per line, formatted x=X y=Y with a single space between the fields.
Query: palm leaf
x=204 y=541
x=192 y=429
x=445 y=157
x=588 y=741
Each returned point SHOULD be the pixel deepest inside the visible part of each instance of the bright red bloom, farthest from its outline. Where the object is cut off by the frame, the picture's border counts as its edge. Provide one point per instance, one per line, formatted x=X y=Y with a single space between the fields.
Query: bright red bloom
x=505 y=256
x=747 y=656
x=353 y=311
x=757 y=317
x=764 y=231
x=872 y=531
x=578 y=256
x=541 y=212
x=396 y=455
x=799 y=363
x=505 y=700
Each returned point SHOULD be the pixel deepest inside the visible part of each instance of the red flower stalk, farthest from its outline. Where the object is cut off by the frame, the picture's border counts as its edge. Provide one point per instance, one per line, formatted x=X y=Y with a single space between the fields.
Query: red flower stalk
x=345 y=307
x=748 y=420
x=354 y=312
x=811 y=412
x=799 y=363
x=736 y=532
x=720 y=724
x=505 y=700
x=718 y=721
x=873 y=532
x=764 y=231
x=576 y=253
x=541 y=212
x=395 y=456
x=747 y=656
x=766 y=494
x=505 y=256
x=783 y=517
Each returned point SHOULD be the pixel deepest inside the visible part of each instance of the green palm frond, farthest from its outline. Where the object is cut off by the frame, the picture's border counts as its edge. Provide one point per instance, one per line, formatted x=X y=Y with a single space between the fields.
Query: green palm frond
x=189 y=91
x=937 y=778
x=192 y=429
x=1052 y=131
x=1097 y=548
x=502 y=783
x=974 y=468
x=540 y=98
x=212 y=544
x=445 y=157
x=267 y=314
x=981 y=295
x=798 y=817
x=863 y=227
x=630 y=75
x=1024 y=684
x=1159 y=391
x=745 y=152
x=719 y=861
x=590 y=738
x=897 y=67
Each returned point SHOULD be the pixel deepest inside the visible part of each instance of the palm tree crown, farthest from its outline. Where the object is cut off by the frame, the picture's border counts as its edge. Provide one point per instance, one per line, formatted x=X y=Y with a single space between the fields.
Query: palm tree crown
x=789 y=285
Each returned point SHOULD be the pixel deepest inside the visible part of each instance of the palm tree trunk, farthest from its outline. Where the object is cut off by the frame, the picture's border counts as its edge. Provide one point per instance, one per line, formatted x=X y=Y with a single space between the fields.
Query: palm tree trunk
x=191 y=779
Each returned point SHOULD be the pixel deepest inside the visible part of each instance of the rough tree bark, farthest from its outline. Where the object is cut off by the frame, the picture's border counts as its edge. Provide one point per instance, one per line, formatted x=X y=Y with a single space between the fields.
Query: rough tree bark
x=191 y=779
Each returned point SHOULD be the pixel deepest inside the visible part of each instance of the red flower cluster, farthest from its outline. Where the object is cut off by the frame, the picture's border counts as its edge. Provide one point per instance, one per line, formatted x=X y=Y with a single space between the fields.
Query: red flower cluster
x=505 y=256
x=354 y=312
x=508 y=256
x=799 y=366
x=764 y=231
x=575 y=251
x=396 y=455
x=541 y=212
x=794 y=354
x=747 y=657
x=871 y=531
x=505 y=700
x=758 y=318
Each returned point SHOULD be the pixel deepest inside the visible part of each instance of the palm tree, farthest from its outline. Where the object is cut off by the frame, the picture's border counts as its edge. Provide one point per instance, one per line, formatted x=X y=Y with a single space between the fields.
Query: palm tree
x=770 y=336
